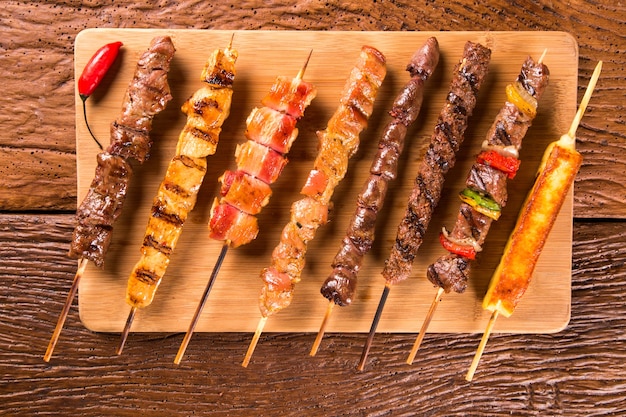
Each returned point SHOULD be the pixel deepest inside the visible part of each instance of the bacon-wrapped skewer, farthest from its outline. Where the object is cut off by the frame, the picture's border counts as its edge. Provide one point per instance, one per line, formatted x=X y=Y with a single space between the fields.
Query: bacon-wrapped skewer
x=559 y=166
x=340 y=285
x=338 y=143
x=206 y=111
x=271 y=130
x=147 y=95
x=446 y=140
x=485 y=194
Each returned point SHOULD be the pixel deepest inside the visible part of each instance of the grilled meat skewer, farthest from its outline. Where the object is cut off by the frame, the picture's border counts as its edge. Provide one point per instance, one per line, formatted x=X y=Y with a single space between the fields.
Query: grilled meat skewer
x=440 y=157
x=147 y=95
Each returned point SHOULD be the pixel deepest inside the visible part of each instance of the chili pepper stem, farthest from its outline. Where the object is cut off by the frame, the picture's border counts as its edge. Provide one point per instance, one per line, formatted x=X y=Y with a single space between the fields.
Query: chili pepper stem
x=84 y=99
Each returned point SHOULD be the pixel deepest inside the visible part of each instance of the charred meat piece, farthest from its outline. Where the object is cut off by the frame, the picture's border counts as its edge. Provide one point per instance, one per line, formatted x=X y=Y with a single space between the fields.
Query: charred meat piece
x=448 y=135
x=338 y=142
x=340 y=286
x=147 y=95
x=486 y=192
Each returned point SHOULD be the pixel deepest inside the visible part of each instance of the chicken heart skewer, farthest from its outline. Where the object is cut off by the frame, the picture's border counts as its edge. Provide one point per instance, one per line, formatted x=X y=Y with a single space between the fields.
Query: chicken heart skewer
x=147 y=95
x=206 y=111
x=446 y=140
x=338 y=143
x=560 y=164
x=340 y=286
x=271 y=130
x=485 y=194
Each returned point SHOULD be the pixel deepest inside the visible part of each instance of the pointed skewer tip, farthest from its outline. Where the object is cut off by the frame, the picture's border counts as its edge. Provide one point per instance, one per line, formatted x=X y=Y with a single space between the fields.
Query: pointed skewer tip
x=322 y=330
x=543 y=55
x=372 y=332
x=126 y=331
x=481 y=346
x=425 y=324
x=82 y=264
x=230 y=43
x=585 y=100
x=254 y=341
x=203 y=300
x=306 y=64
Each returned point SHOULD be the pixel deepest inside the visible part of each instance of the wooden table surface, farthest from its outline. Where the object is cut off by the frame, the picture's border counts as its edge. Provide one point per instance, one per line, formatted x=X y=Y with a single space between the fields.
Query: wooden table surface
x=578 y=371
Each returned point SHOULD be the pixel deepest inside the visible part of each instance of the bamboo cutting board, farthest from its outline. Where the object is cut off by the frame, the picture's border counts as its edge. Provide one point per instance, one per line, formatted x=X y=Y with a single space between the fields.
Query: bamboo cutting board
x=263 y=55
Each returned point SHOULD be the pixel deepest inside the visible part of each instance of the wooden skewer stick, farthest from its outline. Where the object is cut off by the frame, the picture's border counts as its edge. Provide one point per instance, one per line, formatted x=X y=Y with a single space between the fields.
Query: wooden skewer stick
x=440 y=291
x=569 y=139
x=66 y=309
x=422 y=333
x=203 y=299
x=127 y=326
x=571 y=133
x=322 y=330
x=306 y=64
x=481 y=346
x=370 y=336
x=216 y=268
x=254 y=341
x=543 y=55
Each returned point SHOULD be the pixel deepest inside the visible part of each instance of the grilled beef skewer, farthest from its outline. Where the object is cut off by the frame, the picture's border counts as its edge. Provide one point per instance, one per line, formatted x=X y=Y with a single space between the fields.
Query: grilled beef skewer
x=341 y=283
x=440 y=157
x=485 y=193
x=340 y=286
x=486 y=182
x=147 y=95
x=446 y=140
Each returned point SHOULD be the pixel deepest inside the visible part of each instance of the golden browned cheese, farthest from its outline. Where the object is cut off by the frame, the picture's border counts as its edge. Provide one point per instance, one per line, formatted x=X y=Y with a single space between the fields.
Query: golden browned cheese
x=206 y=111
x=543 y=203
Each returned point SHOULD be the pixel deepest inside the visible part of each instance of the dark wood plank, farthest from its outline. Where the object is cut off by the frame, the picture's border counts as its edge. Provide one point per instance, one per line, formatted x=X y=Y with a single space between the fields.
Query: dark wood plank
x=41 y=119
x=579 y=371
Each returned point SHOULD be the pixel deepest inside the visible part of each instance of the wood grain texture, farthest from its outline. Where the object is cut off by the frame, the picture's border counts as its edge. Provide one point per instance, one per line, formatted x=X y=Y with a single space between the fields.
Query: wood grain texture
x=579 y=371
x=43 y=34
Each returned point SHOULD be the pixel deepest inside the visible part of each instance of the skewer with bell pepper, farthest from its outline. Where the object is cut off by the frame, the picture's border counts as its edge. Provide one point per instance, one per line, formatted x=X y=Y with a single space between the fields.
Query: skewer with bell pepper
x=486 y=194
x=556 y=175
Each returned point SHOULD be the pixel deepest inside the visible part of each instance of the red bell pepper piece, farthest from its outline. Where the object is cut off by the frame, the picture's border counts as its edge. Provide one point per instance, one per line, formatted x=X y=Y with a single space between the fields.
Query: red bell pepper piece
x=506 y=164
x=465 y=251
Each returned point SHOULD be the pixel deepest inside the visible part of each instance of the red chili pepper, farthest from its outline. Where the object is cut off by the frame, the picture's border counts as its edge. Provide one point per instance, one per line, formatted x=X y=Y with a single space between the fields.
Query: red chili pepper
x=507 y=164
x=465 y=251
x=94 y=72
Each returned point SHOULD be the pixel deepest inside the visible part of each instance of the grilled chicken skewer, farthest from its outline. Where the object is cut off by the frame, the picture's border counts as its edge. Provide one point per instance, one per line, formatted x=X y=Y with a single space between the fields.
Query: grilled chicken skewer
x=147 y=95
x=556 y=175
x=340 y=286
x=446 y=140
x=206 y=111
x=485 y=194
x=271 y=130
x=338 y=142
